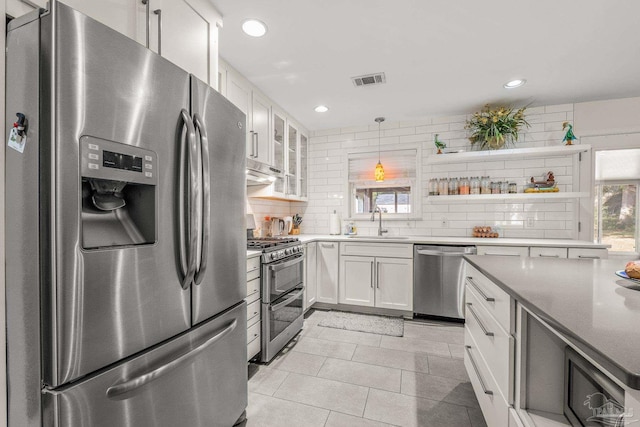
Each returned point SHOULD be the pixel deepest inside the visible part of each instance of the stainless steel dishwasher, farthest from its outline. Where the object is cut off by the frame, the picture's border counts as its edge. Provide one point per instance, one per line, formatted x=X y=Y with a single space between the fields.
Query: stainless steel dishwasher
x=438 y=280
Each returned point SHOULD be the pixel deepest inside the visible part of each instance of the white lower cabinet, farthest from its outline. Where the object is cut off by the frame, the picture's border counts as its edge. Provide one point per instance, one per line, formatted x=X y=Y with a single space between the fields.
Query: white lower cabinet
x=394 y=283
x=310 y=275
x=492 y=403
x=327 y=272
x=357 y=280
x=513 y=251
x=489 y=356
x=547 y=252
x=253 y=307
x=588 y=253
x=376 y=281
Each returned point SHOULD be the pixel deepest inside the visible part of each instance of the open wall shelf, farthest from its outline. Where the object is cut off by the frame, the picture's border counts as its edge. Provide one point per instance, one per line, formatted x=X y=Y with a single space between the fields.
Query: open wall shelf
x=490 y=155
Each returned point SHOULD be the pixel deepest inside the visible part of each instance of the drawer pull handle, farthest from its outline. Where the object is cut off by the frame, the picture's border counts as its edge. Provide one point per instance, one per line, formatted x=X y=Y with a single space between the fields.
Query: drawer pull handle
x=480 y=291
x=253 y=269
x=327 y=245
x=475 y=368
x=548 y=256
x=254 y=313
x=373 y=275
x=588 y=257
x=473 y=312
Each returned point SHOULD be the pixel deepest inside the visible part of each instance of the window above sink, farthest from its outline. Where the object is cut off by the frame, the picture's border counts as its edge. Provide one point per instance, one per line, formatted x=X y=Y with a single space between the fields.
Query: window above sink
x=398 y=195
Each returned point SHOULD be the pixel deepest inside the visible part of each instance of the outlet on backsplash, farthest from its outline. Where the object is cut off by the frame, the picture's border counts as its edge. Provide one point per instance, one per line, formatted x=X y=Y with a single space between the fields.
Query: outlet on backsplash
x=530 y=223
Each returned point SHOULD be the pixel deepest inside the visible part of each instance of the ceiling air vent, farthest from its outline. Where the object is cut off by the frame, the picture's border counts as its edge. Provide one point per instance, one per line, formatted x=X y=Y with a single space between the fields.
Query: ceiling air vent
x=369 y=79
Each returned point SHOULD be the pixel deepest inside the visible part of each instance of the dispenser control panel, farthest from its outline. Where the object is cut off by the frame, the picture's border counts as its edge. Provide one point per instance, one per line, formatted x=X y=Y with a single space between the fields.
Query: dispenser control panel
x=111 y=160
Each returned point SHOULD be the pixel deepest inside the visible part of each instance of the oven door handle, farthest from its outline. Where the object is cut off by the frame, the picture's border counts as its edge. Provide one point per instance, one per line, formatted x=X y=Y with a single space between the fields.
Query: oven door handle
x=286 y=264
x=282 y=304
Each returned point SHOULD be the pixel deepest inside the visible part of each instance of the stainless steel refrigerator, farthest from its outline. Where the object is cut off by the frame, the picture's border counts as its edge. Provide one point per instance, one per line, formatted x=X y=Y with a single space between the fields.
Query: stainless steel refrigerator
x=125 y=234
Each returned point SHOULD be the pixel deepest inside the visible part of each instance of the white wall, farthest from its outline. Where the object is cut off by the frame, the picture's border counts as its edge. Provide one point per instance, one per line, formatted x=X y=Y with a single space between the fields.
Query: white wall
x=328 y=154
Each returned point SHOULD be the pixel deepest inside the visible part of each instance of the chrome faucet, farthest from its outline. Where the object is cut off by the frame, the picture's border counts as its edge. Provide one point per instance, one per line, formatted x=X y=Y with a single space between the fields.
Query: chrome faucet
x=373 y=218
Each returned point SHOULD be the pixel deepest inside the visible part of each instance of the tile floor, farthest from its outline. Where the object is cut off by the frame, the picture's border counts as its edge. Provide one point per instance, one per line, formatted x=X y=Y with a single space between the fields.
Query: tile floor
x=335 y=378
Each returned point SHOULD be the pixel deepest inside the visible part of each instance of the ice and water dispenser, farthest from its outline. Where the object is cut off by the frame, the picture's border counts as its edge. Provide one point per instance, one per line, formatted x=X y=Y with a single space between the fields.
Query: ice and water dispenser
x=119 y=184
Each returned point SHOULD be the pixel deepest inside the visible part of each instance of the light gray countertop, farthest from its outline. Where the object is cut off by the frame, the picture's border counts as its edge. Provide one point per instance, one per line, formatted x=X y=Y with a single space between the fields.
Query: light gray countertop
x=500 y=241
x=582 y=299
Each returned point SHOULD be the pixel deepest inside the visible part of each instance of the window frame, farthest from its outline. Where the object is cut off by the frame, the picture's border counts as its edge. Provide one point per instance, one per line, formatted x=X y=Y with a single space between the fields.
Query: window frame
x=415 y=184
x=611 y=142
x=597 y=189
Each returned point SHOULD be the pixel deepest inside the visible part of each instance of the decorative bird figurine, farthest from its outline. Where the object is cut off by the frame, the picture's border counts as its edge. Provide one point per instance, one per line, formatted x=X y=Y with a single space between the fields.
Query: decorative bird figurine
x=439 y=144
x=568 y=136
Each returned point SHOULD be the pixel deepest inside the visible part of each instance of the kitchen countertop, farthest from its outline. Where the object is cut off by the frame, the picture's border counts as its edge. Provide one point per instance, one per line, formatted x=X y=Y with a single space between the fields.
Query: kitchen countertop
x=583 y=300
x=500 y=241
x=251 y=254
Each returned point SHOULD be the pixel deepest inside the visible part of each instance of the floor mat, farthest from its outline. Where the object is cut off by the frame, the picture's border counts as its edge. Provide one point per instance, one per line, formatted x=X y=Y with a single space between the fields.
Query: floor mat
x=384 y=325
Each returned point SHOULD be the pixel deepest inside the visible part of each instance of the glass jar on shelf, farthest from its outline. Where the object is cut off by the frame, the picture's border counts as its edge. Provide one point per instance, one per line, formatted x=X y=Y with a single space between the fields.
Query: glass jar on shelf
x=453 y=186
x=495 y=187
x=474 y=185
x=443 y=187
x=504 y=187
x=433 y=187
x=485 y=185
x=513 y=188
x=463 y=186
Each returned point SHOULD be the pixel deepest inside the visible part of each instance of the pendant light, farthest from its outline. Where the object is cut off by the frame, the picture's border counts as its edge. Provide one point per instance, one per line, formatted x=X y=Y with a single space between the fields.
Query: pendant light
x=379 y=172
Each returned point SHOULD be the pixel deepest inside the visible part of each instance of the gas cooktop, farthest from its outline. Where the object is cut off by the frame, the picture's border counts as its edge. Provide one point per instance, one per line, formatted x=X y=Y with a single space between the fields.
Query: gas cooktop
x=270 y=242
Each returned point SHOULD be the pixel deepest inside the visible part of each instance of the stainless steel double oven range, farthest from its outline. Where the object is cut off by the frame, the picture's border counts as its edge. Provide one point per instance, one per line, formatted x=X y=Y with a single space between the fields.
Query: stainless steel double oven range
x=282 y=283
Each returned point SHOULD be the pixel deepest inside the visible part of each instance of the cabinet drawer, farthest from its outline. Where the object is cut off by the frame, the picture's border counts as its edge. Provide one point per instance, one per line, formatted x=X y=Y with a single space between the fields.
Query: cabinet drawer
x=253 y=290
x=253 y=332
x=492 y=403
x=496 y=301
x=495 y=345
x=542 y=252
x=253 y=312
x=587 y=253
x=253 y=348
x=253 y=268
x=389 y=250
x=504 y=250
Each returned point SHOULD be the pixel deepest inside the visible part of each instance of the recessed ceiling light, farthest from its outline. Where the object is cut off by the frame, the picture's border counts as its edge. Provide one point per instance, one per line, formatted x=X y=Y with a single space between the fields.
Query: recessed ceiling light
x=514 y=83
x=254 y=28
x=321 y=109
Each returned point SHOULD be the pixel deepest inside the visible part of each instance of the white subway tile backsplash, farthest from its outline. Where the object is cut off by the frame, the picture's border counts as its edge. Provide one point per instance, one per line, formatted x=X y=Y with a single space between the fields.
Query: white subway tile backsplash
x=433 y=128
x=328 y=154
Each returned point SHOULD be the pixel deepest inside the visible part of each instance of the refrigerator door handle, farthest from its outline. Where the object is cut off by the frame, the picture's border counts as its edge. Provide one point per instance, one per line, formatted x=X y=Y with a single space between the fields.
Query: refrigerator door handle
x=115 y=391
x=187 y=249
x=206 y=199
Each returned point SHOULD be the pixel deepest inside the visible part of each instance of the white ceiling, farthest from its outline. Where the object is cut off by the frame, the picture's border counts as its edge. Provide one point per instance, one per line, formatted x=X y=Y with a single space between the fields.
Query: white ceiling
x=441 y=57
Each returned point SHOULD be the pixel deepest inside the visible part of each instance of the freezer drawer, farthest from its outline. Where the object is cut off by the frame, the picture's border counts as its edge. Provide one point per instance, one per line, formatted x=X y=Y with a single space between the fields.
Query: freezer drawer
x=198 y=379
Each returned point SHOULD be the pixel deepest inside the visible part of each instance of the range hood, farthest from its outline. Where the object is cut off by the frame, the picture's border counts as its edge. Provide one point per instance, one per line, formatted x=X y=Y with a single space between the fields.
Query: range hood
x=259 y=173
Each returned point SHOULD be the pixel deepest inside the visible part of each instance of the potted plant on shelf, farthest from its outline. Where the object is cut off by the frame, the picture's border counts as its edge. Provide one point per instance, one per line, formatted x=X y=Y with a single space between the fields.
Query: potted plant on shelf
x=493 y=128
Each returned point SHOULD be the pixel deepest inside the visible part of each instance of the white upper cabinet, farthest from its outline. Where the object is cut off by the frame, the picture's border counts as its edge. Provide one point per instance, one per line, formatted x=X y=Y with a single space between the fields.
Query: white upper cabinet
x=260 y=126
x=238 y=92
x=186 y=33
x=183 y=31
x=125 y=16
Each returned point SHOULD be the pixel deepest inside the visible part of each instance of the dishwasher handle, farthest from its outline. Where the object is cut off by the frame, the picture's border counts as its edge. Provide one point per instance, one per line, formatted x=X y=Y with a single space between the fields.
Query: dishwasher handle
x=441 y=253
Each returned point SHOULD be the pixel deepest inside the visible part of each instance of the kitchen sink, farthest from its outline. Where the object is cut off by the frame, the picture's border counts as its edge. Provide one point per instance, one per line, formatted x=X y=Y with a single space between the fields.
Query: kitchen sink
x=379 y=237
